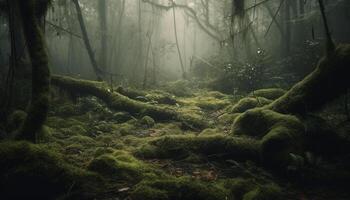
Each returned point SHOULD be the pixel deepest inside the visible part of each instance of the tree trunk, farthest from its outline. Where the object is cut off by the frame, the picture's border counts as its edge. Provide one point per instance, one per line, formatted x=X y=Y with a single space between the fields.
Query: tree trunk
x=328 y=81
x=178 y=47
x=287 y=23
x=145 y=75
x=97 y=70
x=39 y=106
x=102 y=11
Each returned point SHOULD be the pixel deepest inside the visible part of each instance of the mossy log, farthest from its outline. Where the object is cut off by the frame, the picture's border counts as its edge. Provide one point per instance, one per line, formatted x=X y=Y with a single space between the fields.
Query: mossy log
x=329 y=80
x=120 y=102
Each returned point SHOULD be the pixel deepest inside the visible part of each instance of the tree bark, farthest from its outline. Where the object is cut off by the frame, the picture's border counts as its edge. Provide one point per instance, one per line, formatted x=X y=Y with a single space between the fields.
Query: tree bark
x=97 y=70
x=39 y=105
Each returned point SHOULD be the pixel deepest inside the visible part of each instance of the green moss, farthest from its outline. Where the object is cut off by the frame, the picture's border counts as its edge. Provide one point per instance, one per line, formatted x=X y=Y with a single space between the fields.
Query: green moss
x=74 y=149
x=30 y=171
x=266 y=192
x=280 y=134
x=57 y=122
x=238 y=187
x=217 y=94
x=161 y=98
x=177 y=188
x=249 y=103
x=208 y=132
x=227 y=119
x=179 y=147
x=67 y=110
x=211 y=103
x=121 y=166
x=15 y=120
x=180 y=88
x=146 y=192
x=45 y=134
x=103 y=150
x=121 y=117
x=79 y=139
x=168 y=129
x=116 y=101
x=127 y=129
x=147 y=121
x=269 y=93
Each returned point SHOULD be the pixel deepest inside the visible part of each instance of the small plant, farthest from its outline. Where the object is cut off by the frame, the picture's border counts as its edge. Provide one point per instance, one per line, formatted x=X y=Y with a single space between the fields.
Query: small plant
x=303 y=162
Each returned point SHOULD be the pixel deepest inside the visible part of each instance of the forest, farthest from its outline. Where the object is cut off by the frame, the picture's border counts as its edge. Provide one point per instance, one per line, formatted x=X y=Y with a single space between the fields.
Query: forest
x=175 y=99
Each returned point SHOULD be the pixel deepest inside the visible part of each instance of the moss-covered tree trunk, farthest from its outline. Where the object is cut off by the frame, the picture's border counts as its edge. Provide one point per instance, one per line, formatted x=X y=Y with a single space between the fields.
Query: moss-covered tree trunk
x=37 y=111
x=329 y=80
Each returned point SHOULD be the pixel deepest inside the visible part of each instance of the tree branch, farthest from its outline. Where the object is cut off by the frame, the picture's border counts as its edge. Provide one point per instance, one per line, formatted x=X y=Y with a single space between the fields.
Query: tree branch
x=192 y=13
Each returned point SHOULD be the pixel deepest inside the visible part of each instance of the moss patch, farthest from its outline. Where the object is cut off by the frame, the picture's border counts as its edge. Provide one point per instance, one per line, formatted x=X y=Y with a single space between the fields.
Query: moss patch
x=121 y=166
x=280 y=134
x=178 y=147
x=249 y=103
x=177 y=188
x=30 y=171
x=269 y=93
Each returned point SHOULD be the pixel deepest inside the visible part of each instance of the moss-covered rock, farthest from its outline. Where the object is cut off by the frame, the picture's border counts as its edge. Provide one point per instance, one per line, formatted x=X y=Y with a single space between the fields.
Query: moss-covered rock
x=121 y=166
x=279 y=134
x=269 y=93
x=29 y=171
x=177 y=188
x=249 y=103
x=121 y=117
x=147 y=121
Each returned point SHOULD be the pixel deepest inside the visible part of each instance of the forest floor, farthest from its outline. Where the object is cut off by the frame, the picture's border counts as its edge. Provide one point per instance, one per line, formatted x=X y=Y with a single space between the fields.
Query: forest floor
x=120 y=148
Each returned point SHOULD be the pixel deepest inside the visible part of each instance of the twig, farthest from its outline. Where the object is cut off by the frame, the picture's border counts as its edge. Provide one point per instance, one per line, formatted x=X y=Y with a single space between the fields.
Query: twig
x=274 y=18
x=330 y=44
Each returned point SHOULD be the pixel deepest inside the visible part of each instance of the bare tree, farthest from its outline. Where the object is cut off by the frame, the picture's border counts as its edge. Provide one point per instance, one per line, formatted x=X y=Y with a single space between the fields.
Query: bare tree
x=96 y=68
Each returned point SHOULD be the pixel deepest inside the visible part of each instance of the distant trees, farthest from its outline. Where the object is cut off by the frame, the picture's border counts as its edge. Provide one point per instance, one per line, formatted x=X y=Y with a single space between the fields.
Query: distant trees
x=95 y=66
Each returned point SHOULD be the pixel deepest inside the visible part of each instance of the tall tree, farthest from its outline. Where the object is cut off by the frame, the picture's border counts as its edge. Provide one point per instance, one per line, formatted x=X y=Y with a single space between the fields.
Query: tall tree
x=177 y=44
x=96 y=68
x=102 y=11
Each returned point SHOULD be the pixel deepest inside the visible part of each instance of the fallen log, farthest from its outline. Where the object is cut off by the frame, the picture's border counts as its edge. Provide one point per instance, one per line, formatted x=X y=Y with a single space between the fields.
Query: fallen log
x=119 y=102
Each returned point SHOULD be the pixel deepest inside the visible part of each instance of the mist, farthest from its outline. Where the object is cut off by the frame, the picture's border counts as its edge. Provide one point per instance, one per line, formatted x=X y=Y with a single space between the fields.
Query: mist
x=174 y=99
